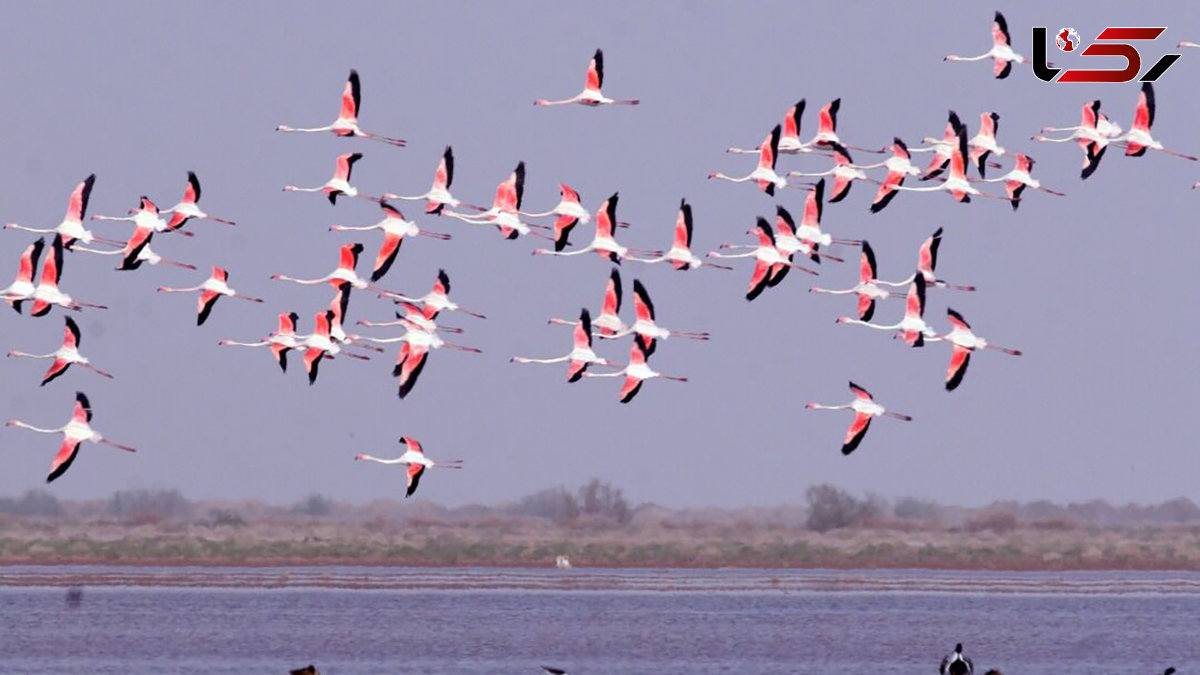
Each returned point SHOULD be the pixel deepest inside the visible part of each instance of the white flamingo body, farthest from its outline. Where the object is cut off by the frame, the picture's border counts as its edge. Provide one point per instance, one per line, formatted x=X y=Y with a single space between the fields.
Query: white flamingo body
x=591 y=95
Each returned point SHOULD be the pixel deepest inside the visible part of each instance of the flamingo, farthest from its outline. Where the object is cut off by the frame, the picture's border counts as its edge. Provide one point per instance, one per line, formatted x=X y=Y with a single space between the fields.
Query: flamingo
x=899 y=167
x=764 y=174
x=345 y=272
x=865 y=408
x=956 y=183
x=984 y=143
x=1138 y=139
x=47 y=293
x=423 y=317
x=608 y=324
x=340 y=183
x=787 y=241
x=867 y=288
x=138 y=251
x=570 y=212
x=636 y=372
x=770 y=265
x=963 y=341
x=439 y=195
x=346 y=124
x=680 y=256
x=188 y=207
x=416 y=461
x=65 y=356
x=942 y=148
x=591 y=95
x=395 y=228
x=280 y=341
x=22 y=288
x=320 y=344
x=956 y=663
x=418 y=341
x=604 y=243
x=789 y=140
x=1019 y=178
x=644 y=327
x=71 y=226
x=912 y=328
x=580 y=357
x=1093 y=134
x=808 y=238
x=827 y=129
x=74 y=434
x=438 y=298
x=1001 y=52
x=926 y=264
x=505 y=210
x=211 y=290
x=145 y=217
x=844 y=173
x=339 y=305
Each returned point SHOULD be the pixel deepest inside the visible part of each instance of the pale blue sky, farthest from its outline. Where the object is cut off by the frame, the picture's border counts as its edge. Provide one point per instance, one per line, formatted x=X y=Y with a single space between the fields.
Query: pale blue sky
x=1095 y=287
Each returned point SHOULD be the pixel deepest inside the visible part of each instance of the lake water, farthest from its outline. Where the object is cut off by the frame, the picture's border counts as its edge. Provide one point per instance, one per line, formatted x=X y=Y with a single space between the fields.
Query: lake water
x=163 y=621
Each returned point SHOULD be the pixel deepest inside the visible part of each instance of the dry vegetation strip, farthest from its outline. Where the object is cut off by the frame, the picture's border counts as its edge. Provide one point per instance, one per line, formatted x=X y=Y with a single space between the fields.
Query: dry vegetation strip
x=595 y=526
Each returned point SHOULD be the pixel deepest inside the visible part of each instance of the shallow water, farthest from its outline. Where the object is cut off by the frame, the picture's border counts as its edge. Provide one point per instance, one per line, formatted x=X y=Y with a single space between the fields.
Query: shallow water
x=397 y=620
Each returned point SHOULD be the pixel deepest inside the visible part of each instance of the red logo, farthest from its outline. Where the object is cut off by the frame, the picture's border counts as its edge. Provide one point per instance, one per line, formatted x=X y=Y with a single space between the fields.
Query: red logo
x=1115 y=44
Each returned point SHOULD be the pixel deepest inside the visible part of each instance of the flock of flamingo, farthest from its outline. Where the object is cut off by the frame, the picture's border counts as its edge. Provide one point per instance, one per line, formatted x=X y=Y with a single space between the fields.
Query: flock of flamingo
x=776 y=249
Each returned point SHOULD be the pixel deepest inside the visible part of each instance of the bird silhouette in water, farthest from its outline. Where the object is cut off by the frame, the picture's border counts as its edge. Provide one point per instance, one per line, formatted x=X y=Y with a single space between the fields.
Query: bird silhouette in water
x=956 y=663
x=310 y=669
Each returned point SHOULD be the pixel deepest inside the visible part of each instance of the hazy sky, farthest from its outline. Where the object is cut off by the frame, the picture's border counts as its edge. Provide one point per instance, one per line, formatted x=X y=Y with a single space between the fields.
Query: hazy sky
x=1095 y=287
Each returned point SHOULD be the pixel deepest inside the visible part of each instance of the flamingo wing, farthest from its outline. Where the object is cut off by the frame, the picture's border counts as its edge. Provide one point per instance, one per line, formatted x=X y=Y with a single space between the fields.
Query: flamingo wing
x=387 y=255
x=204 y=305
x=57 y=368
x=631 y=388
x=64 y=459
x=960 y=357
x=856 y=432
x=413 y=478
x=410 y=367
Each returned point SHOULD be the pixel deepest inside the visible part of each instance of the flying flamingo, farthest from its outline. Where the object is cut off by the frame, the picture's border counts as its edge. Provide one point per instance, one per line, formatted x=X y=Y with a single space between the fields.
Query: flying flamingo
x=789 y=140
x=844 y=173
x=439 y=195
x=912 y=328
x=47 y=293
x=636 y=372
x=1138 y=139
x=591 y=95
x=280 y=341
x=580 y=357
x=644 y=327
x=899 y=166
x=505 y=211
x=569 y=211
x=137 y=251
x=71 y=226
x=1093 y=134
x=65 y=356
x=416 y=461
x=74 y=434
x=395 y=228
x=211 y=290
x=789 y=243
x=438 y=298
x=345 y=272
x=680 y=256
x=1001 y=52
x=764 y=174
x=320 y=345
x=145 y=217
x=1019 y=178
x=865 y=408
x=346 y=124
x=604 y=243
x=984 y=143
x=867 y=288
x=956 y=183
x=418 y=341
x=22 y=288
x=942 y=148
x=188 y=208
x=340 y=183
x=827 y=129
x=338 y=307
x=608 y=324
x=926 y=264
x=962 y=342
x=770 y=265
x=424 y=317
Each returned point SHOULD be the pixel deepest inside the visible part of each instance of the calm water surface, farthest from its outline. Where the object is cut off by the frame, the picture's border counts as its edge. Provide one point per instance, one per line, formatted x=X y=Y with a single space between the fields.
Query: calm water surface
x=163 y=621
